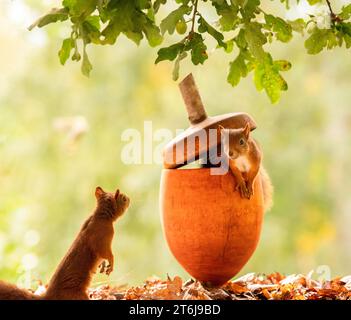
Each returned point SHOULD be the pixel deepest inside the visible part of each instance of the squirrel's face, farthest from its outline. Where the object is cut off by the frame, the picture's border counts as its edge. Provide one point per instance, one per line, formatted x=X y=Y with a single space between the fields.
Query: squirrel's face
x=122 y=202
x=235 y=141
x=115 y=203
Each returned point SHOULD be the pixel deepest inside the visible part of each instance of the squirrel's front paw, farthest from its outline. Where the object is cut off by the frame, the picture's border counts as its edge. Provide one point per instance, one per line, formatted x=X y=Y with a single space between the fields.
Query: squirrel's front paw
x=241 y=187
x=250 y=190
x=102 y=266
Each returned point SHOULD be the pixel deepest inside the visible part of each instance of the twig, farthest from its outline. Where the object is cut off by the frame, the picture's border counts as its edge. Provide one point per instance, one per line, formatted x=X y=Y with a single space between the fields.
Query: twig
x=194 y=16
x=330 y=8
x=333 y=16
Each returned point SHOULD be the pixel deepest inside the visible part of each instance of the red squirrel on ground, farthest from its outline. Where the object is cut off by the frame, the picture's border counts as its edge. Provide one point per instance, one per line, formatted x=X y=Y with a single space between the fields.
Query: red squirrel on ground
x=90 y=250
x=245 y=157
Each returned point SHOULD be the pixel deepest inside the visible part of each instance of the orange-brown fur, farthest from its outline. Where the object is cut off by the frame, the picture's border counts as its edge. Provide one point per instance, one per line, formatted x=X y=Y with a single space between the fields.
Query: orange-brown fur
x=89 y=250
x=239 y=145
x=11 y=292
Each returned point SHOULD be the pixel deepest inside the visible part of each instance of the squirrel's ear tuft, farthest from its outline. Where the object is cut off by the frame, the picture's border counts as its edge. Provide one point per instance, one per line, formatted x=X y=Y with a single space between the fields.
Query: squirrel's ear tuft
x=99 y=192
x=117 y=194
x=247 y=130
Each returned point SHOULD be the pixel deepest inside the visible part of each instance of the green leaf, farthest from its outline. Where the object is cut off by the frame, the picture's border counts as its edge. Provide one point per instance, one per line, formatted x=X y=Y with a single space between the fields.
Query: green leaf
x=198 y=49
x=240 y=39
x=53 y=15
x=249 y=9
x=185 y=2
x=204 y=26
x=237 y=70
x=91 y=29
x=258 y=76
x=169 y=53
x=282 y=65
x=255 y=39
x=219 y=2
x=332 y=40
x=347 y=40
x=230 y=46
x=312 y=2
x=94 y=22
x=136 y=37
x=345 y=33
x=228 y=14
x=316 y=42
x=86 y=65
x=65 y=51
x=143 y=4
x=267 y=77
x=121 y=20
x=76 y=55
x=157 y=4
x=282 y=29
x=175 y=73
x=345 y=27
x=298 y=25
x=133 y=23
x=104 y=13
x=345 y=12
x=320 y=39
x=169 y=23
x=80 y=8
x=151 y=14
x=152 y=33
x=111 y=32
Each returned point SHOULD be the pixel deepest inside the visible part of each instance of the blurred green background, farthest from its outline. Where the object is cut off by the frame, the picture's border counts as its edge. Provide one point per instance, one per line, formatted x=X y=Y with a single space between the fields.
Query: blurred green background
x=60 y=137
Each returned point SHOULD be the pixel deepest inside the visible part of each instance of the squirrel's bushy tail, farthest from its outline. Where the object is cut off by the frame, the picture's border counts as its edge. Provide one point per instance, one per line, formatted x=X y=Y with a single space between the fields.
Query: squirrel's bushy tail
x=11 y=292
x=267 y=189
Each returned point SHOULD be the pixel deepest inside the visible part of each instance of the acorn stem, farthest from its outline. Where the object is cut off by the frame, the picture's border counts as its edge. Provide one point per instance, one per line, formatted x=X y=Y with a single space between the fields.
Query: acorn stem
x=191 y=96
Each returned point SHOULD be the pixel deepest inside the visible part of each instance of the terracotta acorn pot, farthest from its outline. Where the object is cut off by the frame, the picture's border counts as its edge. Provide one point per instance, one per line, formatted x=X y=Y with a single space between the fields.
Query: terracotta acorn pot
x=209 y=228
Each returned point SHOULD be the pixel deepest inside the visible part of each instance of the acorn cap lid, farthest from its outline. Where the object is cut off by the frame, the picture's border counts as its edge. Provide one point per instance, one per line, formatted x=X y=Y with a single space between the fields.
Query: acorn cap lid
x=189 y=145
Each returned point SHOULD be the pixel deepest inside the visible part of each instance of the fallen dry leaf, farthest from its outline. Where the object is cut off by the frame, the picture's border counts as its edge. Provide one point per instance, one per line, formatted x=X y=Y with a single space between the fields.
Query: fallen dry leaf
x=252 y=286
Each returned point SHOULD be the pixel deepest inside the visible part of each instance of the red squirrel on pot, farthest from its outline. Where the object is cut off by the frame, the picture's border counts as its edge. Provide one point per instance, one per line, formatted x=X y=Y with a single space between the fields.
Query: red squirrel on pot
x=89 y=251
x=245 y=157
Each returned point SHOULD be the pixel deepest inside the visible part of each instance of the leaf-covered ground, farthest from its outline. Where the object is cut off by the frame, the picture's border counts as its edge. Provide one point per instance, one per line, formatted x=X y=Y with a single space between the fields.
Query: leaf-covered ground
x=249 y=287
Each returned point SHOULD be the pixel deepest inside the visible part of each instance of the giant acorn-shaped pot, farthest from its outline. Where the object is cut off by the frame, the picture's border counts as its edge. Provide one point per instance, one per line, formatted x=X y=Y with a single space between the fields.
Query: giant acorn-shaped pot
x=209 y=228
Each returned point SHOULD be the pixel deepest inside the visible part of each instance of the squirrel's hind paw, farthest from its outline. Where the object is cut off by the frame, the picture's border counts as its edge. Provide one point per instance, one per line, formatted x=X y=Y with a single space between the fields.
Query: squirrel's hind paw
x=109 y=269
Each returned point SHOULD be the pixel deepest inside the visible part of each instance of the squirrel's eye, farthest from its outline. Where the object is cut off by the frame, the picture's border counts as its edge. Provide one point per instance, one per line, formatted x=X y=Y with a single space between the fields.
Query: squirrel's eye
x=241 y=142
